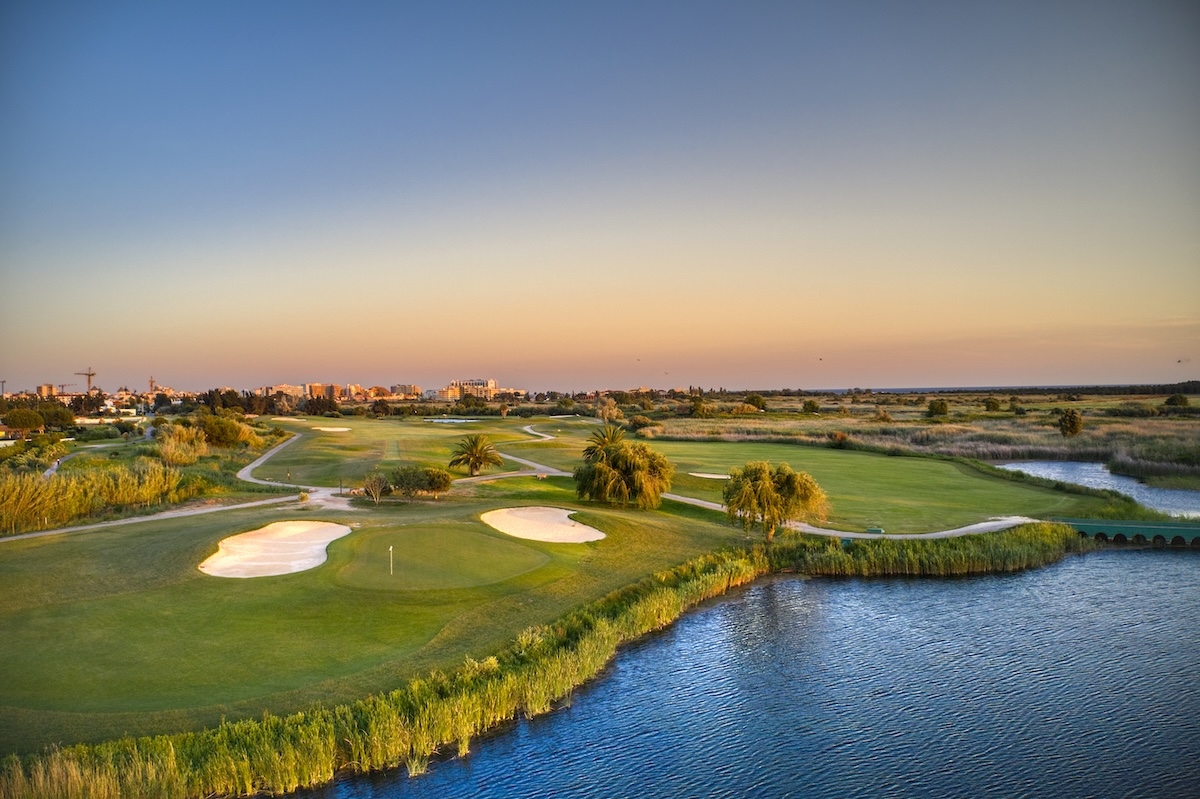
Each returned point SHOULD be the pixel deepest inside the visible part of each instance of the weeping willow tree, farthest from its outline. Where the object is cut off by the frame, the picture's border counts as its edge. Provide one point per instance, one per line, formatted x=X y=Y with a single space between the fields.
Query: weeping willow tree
x=622 y=473
x=758 y=494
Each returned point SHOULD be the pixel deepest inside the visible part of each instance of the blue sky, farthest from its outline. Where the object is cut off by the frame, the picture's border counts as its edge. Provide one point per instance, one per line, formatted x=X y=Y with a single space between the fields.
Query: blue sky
x=580 y=195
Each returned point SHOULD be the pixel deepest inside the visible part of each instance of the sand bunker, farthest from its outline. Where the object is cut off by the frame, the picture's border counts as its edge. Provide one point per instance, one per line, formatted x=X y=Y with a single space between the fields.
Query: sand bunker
x=709 y=475
x=541 y=524
x=333 y=429
x=278 y=548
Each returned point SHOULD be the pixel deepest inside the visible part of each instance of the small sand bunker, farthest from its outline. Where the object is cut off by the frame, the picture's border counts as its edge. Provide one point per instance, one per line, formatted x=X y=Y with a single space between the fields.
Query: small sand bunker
x=709 y=475
x=278 y=548
x=541 y=524
x=333 y=429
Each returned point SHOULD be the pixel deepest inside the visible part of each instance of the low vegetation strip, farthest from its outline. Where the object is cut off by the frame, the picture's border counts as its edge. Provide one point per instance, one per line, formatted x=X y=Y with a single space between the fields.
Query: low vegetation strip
x=407 y=726
x=30 y=502
x=1025 y=547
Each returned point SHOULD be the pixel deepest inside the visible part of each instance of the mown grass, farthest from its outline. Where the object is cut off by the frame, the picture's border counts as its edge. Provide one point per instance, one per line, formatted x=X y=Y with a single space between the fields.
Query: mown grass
x=116 y=631
x=134 y=641
x=323 y=458
x=902 y=495
x=440 y=711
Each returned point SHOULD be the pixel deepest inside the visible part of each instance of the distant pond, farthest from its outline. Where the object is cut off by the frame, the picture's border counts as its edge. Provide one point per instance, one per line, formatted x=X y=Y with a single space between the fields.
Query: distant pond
x=1077 y=680
x=1176 y=502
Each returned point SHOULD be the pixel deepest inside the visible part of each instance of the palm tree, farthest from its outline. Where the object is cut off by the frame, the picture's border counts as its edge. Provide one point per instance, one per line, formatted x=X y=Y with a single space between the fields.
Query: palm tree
x=476 y=452
x=606 y=436
x=758 y=494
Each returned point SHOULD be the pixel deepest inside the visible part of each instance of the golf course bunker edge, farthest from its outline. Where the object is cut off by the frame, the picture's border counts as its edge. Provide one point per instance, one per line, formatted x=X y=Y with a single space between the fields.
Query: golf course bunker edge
x=278 y=548
x=553 y=525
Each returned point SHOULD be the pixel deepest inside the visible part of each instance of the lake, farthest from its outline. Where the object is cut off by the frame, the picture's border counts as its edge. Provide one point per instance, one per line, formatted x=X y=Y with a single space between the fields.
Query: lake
x=1075 y=680
x=1176 y=502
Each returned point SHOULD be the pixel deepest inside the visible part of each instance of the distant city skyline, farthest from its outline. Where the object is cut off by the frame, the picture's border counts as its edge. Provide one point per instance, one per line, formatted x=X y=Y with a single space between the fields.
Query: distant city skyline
x=600 y=195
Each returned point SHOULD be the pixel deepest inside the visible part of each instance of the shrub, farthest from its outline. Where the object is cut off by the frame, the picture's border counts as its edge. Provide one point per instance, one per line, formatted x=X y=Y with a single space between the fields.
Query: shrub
x=1133 y=409
x=181 y=446
x=376 y=486
x=1070 y=423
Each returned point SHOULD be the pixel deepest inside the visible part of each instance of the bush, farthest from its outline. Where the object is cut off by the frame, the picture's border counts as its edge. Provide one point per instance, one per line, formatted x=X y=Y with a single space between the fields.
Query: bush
x=409 y=481
x=181 y=446
x=938 y=407
x=1141 y=410
x=1070 y=423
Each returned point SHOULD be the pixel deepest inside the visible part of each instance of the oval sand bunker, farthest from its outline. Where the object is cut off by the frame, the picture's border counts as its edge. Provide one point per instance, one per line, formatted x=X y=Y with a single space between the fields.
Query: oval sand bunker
x=709 y=475
x=278 y=548
x=541 y=524
x=332 y=429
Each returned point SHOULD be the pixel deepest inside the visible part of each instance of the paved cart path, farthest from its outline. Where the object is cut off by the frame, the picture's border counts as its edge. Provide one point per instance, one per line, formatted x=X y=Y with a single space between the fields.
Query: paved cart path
x=327 y=497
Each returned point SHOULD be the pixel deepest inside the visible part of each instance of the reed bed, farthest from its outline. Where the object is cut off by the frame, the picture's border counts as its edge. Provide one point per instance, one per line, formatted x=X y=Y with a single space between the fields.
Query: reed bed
x=1162 y=440
x=442 y=713
x=1026 y=547
x=28 y=502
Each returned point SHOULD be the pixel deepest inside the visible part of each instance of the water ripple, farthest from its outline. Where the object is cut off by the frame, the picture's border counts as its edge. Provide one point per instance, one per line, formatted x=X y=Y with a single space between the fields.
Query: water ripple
x=1076 y=680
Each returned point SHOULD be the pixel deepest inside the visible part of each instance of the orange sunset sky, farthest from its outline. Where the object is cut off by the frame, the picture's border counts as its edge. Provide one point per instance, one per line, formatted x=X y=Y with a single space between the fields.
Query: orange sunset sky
x=586 y=195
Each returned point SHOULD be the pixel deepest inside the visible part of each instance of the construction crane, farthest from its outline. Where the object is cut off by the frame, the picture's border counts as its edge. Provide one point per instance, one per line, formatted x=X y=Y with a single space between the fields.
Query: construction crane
x=89 y=374
x=62 y=387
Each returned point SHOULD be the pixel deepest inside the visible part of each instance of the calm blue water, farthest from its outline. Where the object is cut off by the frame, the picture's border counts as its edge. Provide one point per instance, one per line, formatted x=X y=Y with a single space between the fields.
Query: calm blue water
x=1176 y=502
x=1079 y=680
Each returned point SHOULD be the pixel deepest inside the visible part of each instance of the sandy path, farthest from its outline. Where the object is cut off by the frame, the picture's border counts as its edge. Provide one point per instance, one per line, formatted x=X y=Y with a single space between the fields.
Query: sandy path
x=542 y=436
x=319 y=496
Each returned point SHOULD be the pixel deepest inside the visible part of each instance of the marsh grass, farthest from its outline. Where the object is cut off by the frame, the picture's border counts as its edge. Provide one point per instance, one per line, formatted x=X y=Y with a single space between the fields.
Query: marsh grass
x=1161 y=440
x=1026 y=547
x=439 y=713
x=30 y=502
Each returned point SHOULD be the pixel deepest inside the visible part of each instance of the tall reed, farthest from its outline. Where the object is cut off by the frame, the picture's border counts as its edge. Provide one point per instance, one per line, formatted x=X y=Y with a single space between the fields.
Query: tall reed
x=29 y=502
x=443 y=712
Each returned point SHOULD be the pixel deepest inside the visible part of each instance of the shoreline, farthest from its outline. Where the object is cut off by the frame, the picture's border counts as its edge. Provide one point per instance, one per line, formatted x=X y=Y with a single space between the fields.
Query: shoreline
x=427 y=716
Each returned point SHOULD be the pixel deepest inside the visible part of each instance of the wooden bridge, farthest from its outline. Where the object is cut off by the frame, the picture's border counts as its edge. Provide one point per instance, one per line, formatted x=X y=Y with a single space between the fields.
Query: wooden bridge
x=1162 y=534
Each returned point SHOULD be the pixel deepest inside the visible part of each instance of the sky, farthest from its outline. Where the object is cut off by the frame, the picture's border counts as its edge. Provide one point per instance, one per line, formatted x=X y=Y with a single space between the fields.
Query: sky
x=600 y=194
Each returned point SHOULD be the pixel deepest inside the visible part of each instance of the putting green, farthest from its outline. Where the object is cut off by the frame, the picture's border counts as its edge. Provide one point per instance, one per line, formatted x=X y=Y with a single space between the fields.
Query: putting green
x=430 y=558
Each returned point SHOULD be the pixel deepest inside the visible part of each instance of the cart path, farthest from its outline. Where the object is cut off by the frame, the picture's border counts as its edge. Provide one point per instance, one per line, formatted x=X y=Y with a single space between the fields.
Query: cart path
x=326 y=497
x=992 y=525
